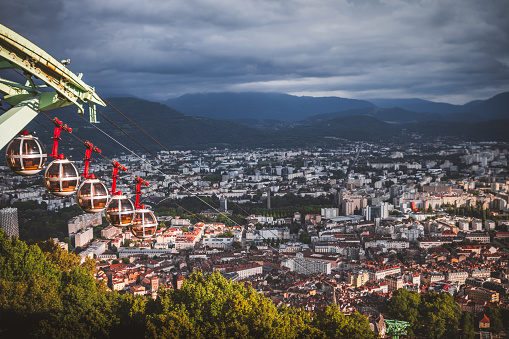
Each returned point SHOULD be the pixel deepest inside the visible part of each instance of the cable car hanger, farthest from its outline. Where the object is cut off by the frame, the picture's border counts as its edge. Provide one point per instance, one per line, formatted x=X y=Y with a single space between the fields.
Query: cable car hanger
x=144 y=224
x=92 y=196
x=61 y=177
x=120 y=210
x=59 y=126
x=116 y=167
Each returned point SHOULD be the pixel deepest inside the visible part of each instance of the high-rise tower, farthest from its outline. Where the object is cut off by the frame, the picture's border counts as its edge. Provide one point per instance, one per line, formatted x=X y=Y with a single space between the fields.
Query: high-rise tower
x=9 y=221
x=223 y=204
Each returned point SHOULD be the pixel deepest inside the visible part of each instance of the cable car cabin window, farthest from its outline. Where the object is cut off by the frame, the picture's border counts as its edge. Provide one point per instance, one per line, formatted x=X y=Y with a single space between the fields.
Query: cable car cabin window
x=137 y=231
x=54 y=186
x=16 y=164
x=68 y=170
x=149 y=219
x=30 y=147
x=138 y=219
x=126 y=218
x=32 y=163
x=114 y=219
x=100 y=203
x=69 y=185
x=85 y=203
x=85 y=191
x=143 y=232
x=14 y=147
x=100 y=190
x=53 y=171
x=114 y=205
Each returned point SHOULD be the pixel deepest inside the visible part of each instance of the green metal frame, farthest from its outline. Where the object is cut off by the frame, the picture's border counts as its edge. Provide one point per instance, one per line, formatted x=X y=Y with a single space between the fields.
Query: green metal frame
x=28 y=99
x=395 y=328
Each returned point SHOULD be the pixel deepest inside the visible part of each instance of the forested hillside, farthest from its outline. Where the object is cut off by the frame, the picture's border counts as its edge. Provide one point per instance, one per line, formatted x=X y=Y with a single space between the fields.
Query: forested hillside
x=46 y=293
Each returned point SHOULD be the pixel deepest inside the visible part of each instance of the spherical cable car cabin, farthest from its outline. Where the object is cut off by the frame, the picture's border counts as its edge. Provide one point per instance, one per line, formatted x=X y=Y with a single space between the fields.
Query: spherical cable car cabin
x=120 y=210
x=144 y=224
x=92 y=196
x=61 y=177
x=25 y=154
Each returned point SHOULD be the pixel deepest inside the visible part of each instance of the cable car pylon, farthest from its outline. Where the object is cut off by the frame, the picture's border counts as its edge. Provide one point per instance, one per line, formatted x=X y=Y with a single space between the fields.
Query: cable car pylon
x=28 y=99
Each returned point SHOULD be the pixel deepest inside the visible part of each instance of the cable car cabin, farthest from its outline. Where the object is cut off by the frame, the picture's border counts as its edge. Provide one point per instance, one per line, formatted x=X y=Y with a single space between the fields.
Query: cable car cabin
x=25 y=155
x=120 y=211
x=144 y=224
x=61 y=178
x=92 y=196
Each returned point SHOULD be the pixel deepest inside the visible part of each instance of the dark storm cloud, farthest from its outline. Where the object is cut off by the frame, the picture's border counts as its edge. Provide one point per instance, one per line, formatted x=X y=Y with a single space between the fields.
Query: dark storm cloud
x=453 y=51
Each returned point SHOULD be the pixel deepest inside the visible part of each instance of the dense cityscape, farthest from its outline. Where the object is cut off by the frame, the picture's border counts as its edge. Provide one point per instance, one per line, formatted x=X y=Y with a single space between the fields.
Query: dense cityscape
x=348 y=226
x=254 y=169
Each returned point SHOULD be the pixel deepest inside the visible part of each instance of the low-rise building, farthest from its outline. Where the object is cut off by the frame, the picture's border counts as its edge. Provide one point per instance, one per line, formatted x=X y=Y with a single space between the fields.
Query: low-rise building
x=481 y=295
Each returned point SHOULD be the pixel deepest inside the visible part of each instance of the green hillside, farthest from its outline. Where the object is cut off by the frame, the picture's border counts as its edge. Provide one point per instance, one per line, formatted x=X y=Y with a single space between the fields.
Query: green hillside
x=46 y=293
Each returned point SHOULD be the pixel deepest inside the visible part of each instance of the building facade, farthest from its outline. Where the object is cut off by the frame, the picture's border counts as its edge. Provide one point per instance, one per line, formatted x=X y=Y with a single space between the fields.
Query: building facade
x=9 y=221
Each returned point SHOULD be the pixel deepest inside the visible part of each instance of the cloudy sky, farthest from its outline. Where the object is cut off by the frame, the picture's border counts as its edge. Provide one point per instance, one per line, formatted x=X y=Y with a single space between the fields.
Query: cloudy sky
x=443 y=50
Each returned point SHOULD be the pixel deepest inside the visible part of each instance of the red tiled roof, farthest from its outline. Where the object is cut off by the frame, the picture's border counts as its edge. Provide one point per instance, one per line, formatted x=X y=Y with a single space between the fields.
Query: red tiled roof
x=485 y=319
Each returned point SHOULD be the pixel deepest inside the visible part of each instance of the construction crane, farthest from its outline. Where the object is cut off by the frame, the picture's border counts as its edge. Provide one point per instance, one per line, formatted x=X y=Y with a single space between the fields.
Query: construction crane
x=28 y=99
x=336 y=201
x=351 y=166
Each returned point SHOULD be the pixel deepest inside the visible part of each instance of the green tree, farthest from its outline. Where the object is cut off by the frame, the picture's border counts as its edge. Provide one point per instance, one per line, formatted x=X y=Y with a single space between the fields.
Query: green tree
x=467 y=325
x=228 y=234
x=50 y=295
x=441 y=315
x=126 y=260
x=404 y=305
x=335 y=324
x=495 y=319
x=305 y=238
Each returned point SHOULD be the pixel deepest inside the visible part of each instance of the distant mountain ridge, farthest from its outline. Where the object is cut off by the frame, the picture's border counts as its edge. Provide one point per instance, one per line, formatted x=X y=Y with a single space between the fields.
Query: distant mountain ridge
x=176 y=130
x=260 y=106
x=265 y=107
x=418 y=105
x=396 y=115
x=496 y=107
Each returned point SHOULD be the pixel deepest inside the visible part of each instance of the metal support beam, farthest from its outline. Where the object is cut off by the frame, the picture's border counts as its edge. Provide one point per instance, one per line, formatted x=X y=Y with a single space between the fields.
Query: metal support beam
x=15 y=119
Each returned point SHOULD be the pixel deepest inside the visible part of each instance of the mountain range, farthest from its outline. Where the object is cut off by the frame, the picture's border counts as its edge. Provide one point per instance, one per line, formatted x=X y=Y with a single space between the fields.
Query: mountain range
x=249 y=107
x=285 y=121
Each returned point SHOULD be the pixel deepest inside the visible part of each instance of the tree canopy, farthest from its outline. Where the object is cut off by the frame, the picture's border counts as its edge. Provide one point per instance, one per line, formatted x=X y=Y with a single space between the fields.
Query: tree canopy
x=433 y=315
x=46 y=292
